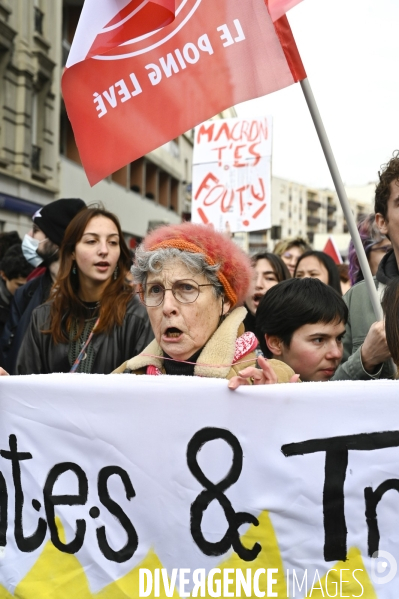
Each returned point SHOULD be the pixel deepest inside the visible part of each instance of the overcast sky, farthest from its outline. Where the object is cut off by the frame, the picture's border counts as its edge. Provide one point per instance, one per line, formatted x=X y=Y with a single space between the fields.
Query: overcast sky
x=350 y=52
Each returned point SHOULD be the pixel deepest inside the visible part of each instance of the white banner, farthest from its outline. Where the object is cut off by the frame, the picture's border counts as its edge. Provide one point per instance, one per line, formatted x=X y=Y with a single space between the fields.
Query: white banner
x=125 y=486
x=232 y=174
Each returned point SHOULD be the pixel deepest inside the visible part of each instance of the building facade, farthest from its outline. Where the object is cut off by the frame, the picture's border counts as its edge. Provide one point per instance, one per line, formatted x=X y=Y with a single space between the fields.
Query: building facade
x=28 y=109
x=39 y=160
x=301 y=211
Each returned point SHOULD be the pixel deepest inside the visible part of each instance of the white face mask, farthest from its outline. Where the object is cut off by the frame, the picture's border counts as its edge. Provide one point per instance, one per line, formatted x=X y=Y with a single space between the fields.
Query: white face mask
x=29 y=247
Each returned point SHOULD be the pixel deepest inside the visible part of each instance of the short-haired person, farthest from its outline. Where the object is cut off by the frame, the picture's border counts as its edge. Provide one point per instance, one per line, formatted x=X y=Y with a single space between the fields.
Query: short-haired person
x=318 y=265
x=301 y=322
x=366 y=353
x=40 y=247
x=13 y=272
x=290 y=250
x=7 y=240
x=269 y=270
x=93 y=321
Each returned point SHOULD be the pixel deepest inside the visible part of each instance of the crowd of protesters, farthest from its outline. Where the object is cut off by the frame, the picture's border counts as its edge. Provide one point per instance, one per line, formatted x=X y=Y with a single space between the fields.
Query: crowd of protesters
x=195 y=304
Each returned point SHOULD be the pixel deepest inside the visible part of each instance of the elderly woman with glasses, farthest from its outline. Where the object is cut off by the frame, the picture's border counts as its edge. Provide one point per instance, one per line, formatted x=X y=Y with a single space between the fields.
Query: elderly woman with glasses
x=193 y=281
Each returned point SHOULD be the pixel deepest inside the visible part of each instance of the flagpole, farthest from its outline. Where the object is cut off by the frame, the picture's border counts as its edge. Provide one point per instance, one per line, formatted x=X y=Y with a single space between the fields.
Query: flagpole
x=339 y=186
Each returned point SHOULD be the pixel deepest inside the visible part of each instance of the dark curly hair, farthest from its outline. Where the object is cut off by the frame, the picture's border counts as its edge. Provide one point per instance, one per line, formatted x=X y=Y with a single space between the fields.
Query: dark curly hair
x=390 y=305
x=389 y=172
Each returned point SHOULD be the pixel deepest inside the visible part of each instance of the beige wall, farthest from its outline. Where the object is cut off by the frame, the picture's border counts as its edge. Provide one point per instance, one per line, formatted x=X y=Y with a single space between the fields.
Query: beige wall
x=32 y=116
x=29 y=107
x=133 y=210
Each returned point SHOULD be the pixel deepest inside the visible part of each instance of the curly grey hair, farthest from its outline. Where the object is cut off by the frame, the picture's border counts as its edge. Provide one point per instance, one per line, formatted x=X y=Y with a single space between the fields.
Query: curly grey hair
x=154 y=261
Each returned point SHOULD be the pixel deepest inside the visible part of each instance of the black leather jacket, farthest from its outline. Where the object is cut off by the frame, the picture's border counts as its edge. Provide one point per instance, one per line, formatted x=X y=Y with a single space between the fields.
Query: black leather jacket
x=40 y=355
x=26 y=299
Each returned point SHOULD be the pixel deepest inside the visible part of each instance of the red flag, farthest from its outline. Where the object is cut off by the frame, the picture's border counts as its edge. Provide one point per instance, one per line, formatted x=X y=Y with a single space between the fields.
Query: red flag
x=331 y=250
x=278 y=8
x=140 y=93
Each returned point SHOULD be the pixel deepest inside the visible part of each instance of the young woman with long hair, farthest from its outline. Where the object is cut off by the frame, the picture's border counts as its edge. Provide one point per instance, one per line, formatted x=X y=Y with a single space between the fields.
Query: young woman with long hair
x=318 y=265
x=93 y=321
x=268 y=270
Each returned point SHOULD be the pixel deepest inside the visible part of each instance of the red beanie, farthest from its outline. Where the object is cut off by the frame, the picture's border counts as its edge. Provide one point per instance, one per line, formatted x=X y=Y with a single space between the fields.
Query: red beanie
x=235 y=272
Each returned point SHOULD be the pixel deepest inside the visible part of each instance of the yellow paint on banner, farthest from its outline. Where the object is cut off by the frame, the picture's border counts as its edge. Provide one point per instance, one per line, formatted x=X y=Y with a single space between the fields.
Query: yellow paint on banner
x=128 y=586
x=57 y=575
x=54 y=575
x=269 y=557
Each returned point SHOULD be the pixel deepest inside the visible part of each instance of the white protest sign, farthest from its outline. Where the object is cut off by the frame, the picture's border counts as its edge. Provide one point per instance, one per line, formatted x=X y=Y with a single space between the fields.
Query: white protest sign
x=232 y=174
x=125 y=486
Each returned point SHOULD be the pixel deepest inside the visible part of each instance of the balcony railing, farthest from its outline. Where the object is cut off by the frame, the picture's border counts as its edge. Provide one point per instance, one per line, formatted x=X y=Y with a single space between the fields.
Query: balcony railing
x=331 y=208
x=313 y=221
x=313 y=205
x=331 y=224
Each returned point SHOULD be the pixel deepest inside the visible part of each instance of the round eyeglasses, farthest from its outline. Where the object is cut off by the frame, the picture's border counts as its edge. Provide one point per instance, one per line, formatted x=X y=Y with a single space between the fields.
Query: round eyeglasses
x=185 y=291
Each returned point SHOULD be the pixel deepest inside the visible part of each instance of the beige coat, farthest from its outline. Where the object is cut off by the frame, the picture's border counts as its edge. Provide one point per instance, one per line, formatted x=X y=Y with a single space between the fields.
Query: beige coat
x=215 y=359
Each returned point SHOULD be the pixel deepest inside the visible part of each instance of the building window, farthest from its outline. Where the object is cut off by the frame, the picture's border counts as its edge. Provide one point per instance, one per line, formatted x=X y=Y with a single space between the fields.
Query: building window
x=151 y=181
x=68 y=147
x=137 y=174
x=38 y=20
x=35 y=148
x=35 y=158
x=173 y=147
x=174 y=195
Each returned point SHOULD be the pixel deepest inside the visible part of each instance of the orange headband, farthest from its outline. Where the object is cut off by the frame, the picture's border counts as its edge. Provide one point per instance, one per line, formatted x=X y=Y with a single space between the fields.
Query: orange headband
x=180 y=244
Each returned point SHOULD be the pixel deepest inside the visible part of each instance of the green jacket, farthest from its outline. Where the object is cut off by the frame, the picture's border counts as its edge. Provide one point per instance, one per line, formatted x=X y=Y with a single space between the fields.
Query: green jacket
x=361 y=317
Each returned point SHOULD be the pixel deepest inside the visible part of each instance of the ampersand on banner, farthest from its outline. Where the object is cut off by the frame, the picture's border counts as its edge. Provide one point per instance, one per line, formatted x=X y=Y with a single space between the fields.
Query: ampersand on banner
x=215 y=492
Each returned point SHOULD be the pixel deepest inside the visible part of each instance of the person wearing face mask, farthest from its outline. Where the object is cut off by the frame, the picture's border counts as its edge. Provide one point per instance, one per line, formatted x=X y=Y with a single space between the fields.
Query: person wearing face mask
x=41 y=248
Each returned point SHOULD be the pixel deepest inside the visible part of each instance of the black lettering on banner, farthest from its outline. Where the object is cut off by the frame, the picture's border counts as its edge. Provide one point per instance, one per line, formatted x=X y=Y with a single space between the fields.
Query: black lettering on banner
x=372 y=499
x=336 y=448
x=215 y=492
x=3 y=511
x=25 y=544
x=128 y=550
x=50 y=501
